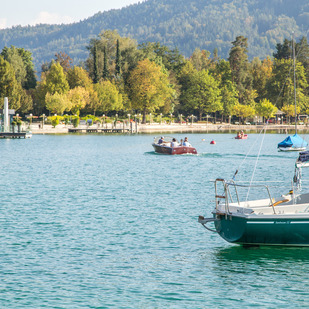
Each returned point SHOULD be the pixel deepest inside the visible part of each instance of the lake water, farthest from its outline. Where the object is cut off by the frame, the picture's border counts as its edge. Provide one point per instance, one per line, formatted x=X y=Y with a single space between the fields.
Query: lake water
x=90 y=221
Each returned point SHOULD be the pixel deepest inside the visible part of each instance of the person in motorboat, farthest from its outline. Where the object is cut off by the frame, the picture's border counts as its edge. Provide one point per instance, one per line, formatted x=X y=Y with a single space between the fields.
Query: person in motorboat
x=186 y=143
x=174 y=143
x=161 y=140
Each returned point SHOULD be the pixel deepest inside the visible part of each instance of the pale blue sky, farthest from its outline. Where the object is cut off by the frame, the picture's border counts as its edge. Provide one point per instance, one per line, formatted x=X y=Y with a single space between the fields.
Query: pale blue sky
x=31 y=12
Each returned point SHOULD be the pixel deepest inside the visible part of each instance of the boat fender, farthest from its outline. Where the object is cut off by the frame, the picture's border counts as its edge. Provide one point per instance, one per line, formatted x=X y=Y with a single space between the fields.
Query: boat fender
x=279 y=202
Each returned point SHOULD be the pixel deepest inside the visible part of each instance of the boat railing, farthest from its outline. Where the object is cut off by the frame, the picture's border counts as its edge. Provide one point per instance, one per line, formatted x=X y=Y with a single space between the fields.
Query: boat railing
x=227 y=196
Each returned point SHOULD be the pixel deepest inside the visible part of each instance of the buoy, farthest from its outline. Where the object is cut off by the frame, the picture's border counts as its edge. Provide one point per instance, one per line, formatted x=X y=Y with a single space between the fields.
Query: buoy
x=203 y=139
x=212 y=142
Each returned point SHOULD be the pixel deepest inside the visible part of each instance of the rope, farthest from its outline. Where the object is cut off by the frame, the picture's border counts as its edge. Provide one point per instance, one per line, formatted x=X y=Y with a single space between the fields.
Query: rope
x=243 y=161
x=256 y=163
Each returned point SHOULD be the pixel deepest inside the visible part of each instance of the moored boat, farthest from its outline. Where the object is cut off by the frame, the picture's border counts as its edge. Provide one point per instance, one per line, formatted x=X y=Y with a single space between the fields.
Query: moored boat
x=293 y=143
x=167 y=147
x=282 y=221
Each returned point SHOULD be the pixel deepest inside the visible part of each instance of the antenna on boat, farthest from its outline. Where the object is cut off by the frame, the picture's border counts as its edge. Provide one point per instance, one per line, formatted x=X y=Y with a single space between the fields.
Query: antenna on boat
x=233 y=178
x=293 y=47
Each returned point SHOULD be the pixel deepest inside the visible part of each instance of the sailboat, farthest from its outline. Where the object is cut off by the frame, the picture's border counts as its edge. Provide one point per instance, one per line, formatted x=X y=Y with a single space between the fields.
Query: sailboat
x=268 y=220
x=294 y=142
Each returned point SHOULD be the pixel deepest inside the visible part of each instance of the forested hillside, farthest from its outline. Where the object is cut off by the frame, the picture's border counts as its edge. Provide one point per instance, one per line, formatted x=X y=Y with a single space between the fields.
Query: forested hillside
x=182 y=24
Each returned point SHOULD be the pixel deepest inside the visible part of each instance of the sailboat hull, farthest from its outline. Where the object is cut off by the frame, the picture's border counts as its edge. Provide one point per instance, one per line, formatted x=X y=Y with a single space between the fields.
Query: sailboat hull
x=293 y=143
x=291 y=148
x=263 y=231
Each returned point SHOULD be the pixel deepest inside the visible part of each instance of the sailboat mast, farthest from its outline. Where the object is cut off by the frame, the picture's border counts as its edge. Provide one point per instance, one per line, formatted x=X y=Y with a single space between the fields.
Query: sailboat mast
x=293 y=47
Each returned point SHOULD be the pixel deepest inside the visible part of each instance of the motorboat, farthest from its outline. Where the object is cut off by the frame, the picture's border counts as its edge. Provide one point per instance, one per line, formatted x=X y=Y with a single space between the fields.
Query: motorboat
x=281 y=221
x=245 y=136
x=166 y=147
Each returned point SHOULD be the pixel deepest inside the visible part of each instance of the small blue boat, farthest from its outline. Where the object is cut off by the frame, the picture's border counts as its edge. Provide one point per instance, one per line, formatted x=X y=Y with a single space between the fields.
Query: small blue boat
x=293 y=143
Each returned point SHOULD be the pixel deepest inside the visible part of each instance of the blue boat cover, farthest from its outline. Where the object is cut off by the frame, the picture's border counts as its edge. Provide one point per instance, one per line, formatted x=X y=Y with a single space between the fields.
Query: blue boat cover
x=293 y=141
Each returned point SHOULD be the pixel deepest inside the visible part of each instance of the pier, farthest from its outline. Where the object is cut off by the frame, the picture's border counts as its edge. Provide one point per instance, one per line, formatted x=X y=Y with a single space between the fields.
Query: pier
x=14 y=135
x=97 y=130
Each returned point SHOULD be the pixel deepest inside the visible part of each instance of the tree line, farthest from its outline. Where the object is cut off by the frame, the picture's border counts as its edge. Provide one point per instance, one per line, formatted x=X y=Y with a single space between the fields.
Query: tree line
x=183 y=23
x=122 y=77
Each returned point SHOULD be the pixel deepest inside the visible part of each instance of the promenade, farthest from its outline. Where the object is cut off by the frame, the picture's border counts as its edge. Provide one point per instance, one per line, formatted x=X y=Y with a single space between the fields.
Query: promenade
x=166 y=128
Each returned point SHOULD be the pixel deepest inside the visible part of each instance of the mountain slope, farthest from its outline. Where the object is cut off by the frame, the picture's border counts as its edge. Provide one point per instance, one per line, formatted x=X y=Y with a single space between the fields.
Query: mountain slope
x=185 y=24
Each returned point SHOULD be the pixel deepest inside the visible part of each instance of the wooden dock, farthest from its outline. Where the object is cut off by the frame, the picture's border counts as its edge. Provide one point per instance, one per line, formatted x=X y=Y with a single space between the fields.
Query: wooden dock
x=14 y=135
x=97 y=130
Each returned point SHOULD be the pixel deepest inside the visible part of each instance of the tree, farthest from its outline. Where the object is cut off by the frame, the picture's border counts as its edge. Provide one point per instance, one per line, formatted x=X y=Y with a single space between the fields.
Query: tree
x=105 y=69
x=9 y=87
x=172 y=60
x=108 y=97
x=200 y=59
x=229 y=93
x=64 y=60
x=78 y=77
x=118 y=60
x=284 y=51
x=238 y=59
x=96 y=74
x=7 y=78
x=78 y=98
x=21 y=60
x=243 y=111
x=57 y=103
x=203 y=94
x=289 y=110
x=280 y=87
x=56 y=80
x=13 y=57
x=266 y=109
x=31 y=81
x=302 y=54
x=148 y=87
x=26 y=101
x=261 y=72
x=108 y=40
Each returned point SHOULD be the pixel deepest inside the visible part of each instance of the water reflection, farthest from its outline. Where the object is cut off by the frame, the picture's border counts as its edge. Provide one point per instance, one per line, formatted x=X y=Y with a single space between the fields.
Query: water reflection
x=264 y=254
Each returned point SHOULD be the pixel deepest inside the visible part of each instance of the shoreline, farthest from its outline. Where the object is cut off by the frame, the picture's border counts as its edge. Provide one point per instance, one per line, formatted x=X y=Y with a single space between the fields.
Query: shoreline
x=174 y=128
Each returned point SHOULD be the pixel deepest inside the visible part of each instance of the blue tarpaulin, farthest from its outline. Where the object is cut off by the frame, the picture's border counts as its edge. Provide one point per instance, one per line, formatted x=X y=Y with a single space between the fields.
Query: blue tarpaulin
x=294 y=141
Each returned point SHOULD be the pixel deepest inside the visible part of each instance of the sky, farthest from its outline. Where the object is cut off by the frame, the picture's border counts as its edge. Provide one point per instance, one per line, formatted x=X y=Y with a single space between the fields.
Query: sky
x=32 y=12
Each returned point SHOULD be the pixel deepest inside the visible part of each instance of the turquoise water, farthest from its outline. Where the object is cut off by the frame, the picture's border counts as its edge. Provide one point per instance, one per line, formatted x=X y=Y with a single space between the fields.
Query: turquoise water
x=92 y=221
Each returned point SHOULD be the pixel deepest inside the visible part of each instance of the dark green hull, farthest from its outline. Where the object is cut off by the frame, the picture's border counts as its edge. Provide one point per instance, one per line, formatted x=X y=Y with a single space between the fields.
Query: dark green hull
x=263 y=231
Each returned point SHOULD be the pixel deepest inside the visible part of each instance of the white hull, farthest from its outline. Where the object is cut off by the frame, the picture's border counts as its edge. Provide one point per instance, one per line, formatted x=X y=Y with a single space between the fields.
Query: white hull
x=291 y=149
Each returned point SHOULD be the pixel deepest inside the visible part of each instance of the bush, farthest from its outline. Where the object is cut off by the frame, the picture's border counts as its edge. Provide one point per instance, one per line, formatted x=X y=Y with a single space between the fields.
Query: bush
x=75 y=121
x=55 y=121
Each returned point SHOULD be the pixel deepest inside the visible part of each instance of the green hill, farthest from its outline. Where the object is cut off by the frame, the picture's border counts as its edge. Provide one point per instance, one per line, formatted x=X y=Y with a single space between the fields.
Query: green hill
x=185 y=24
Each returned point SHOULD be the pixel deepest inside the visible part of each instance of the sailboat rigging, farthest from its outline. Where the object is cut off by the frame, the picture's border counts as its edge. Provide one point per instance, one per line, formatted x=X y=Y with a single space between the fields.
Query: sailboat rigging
x=293 y=142
x=272 y=220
